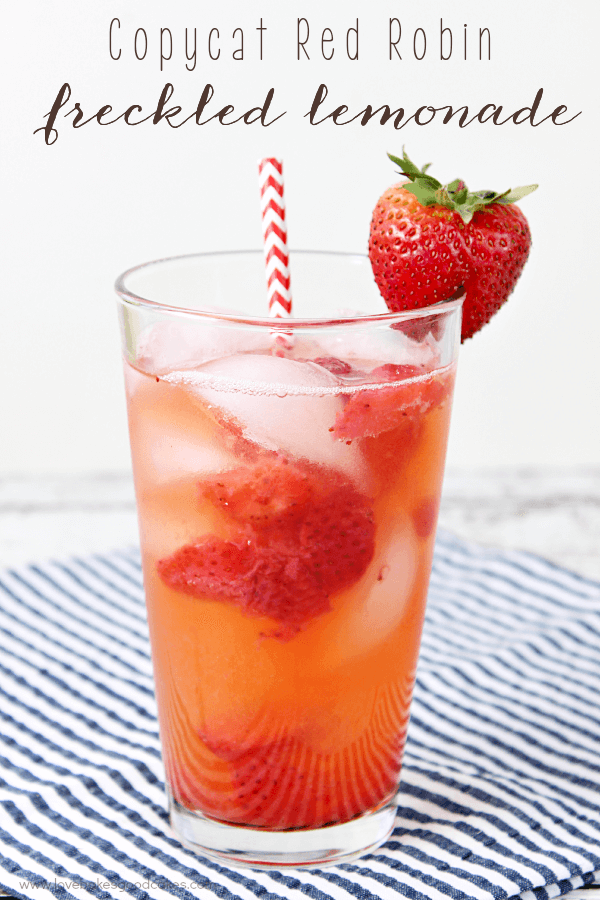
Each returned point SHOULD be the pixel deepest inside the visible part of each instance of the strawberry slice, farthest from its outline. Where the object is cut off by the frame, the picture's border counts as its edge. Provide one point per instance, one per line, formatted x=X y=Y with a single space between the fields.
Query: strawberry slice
x=305 y=533
x=372 y=412
x=334 y=365
x=313 y=516
x=280 y=781
x=266 y=780
x=267 y=497
x=261 y=581
x=336 y=537
x=425 y=516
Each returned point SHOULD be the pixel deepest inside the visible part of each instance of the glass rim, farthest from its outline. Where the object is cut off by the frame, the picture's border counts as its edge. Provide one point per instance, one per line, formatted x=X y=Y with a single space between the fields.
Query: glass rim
x=275 y=324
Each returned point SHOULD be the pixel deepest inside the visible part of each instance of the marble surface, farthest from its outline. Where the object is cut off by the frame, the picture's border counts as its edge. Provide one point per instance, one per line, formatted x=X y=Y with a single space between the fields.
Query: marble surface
x=554 y=513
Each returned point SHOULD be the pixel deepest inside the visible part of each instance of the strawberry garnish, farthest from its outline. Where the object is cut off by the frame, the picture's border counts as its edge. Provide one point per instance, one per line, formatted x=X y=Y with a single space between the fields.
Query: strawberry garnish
x=428 y=240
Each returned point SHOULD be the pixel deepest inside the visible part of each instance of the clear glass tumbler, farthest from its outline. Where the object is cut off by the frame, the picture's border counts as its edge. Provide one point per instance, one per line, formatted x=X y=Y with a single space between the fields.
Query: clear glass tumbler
x=288 y=476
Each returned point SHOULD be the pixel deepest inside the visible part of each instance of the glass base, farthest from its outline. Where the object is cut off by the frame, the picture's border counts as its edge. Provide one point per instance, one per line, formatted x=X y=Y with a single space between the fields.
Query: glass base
x=302 y=848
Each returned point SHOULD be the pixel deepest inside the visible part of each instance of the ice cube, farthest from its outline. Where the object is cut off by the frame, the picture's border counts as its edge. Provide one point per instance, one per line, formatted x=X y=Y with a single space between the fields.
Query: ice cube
x=370 y=347
x=368 y=613
x=281 y=404
x=171 y=437
x=177 y=455
x=165 y=346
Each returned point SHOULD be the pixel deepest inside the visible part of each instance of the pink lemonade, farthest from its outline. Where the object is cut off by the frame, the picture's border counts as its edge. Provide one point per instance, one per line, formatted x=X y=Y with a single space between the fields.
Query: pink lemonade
x=287 y=511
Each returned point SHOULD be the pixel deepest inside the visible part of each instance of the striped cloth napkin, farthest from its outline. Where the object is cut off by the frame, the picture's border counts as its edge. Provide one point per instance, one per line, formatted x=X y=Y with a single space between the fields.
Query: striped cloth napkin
x=500 y=793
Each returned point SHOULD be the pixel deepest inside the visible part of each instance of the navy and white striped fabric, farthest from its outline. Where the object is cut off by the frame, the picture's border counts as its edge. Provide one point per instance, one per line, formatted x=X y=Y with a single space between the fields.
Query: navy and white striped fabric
x=500 y=792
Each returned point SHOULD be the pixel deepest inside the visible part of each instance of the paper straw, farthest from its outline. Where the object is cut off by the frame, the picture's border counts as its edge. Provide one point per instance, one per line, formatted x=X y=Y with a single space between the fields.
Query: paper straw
x=277 y=260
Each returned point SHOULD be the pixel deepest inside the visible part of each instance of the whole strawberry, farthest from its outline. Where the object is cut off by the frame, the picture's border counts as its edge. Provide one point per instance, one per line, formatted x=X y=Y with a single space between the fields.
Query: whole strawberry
x=428 y=239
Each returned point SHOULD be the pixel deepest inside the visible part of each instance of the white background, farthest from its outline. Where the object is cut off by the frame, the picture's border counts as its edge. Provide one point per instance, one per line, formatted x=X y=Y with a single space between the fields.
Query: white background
x=102 y=199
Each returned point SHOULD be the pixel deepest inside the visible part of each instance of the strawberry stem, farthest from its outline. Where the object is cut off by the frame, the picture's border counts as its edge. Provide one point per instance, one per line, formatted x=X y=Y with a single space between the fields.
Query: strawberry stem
x=455 y=195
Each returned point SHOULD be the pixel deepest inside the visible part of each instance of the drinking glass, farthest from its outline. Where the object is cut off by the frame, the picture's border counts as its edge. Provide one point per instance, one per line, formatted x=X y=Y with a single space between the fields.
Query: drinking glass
x=287 y=475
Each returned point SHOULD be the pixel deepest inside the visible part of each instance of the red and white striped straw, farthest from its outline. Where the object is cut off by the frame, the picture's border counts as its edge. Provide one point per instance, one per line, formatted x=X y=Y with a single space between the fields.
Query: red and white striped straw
x=277 y=259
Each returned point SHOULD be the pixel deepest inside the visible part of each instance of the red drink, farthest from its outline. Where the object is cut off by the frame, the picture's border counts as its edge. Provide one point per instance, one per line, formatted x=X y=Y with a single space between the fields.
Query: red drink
x=287 y=512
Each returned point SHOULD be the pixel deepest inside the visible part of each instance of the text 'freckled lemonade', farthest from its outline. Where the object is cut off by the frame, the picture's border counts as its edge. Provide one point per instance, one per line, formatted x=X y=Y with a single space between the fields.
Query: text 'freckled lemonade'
x=287 y=497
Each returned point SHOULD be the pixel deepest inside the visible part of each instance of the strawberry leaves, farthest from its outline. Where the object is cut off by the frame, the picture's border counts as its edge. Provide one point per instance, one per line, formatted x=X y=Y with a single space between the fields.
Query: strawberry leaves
x=455 y=195
x=515 y=194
